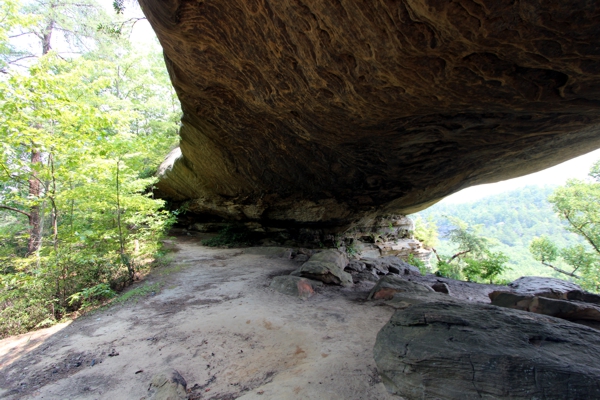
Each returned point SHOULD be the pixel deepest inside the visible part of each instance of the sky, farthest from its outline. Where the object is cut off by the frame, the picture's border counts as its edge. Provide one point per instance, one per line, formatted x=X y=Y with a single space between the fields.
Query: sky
x=575 y=168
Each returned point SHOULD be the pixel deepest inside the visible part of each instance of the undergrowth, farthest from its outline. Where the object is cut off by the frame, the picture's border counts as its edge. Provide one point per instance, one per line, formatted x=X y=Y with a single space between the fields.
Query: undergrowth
x=230 y=236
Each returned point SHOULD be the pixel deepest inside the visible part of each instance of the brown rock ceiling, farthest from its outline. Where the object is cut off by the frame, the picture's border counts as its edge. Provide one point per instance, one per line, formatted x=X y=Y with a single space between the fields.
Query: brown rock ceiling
x=328 y=111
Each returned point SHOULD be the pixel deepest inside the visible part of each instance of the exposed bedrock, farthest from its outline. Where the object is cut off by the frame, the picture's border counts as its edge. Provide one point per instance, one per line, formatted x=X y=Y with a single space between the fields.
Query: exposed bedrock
x=441 y=348
x=327 y=112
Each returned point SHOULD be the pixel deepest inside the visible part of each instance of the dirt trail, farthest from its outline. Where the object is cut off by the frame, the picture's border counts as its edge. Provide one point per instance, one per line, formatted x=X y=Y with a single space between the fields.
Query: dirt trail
x=216 y=321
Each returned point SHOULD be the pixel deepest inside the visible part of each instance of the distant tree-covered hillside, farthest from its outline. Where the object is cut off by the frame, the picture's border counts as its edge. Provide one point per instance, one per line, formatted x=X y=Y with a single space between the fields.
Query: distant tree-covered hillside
x=513 y=219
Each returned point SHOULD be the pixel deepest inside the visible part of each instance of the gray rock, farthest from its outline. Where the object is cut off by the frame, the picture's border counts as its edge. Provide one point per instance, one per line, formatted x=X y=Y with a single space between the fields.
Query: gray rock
x=461 y=351
x=356 y=266
x=269 y=251
x=580 y=295
x=295 y=286
x=168 y=385
x=374 y=264
x=402 y=300
x=542 y=286
x=208 y=227
x=332 y=256
x=441 y=287
x=394 y=264
x=584 y=313
x=367 y=275
x=389 y=285
x=326 y=266
x=301 y=258
x=306 y=252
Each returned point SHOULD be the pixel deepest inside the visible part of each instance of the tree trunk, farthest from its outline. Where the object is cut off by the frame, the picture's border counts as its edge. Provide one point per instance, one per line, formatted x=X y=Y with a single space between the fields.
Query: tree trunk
x=47 y=38
x=35 y=190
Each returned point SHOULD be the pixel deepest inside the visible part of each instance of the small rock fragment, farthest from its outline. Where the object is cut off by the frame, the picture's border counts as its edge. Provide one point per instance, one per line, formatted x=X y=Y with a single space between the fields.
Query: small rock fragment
x=168 y=385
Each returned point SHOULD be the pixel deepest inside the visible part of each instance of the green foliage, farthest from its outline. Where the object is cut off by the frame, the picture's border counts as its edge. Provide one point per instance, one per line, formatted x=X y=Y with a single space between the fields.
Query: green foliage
x=90 y=295
x=543 y=249
x=512 y=219
x=467 y=239
x=230 y=236
x=576 y=203
x=138 y=292
x=473 y=260
x=414 y=261
x=426 y=231
x=101 y=124
x=486 y=268
x=351 y=249
x=449 y=270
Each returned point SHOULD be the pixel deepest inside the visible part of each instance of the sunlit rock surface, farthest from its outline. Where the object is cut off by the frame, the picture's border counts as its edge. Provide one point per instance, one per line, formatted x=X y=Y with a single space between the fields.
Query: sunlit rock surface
x=329 y=112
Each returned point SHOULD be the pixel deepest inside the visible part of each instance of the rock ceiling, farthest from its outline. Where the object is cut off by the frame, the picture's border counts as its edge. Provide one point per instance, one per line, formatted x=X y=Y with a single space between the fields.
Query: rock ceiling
x=323 y=112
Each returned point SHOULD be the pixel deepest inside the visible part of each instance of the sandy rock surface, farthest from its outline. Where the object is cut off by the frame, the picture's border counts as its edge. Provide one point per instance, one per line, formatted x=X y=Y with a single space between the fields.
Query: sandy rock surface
x=215 y=321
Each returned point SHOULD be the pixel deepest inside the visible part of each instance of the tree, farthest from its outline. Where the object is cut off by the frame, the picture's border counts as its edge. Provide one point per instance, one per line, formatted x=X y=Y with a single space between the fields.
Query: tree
x=11 y=20
x=46 y=19
x=576 y=203
x=97 y=145
x=473 y=258
x=426 y=231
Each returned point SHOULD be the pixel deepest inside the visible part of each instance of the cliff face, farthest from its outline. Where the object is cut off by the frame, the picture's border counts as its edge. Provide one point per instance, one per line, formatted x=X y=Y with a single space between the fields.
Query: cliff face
x=327 y=112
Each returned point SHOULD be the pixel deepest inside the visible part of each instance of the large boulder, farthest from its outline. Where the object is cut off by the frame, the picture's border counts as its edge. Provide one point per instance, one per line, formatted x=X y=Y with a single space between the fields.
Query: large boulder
x=327 y=266
x=442 y=350
x=323 y=113
x=295 y=286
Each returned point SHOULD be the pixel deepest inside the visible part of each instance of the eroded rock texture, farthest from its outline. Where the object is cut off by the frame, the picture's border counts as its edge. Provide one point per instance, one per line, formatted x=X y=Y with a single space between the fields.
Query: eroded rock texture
x=445 y=349
x=325 y=112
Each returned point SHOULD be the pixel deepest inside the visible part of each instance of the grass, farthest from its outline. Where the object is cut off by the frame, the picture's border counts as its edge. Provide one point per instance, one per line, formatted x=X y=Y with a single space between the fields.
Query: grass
x=135 y=294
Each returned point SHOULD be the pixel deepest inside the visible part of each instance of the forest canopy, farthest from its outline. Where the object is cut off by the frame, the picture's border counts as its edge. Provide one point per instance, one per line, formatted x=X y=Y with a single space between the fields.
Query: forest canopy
x=542 y=230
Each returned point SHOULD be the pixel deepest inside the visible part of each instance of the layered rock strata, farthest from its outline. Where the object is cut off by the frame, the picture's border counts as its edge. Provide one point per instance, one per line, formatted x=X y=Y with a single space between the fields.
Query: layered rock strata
x=443 y=349
x=326 y=113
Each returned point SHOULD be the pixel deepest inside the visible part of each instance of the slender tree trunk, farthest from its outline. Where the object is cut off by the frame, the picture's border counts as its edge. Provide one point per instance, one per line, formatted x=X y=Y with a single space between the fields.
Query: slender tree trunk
x=35 y=188
x=47 y=38
x=54 y=215
x=121 y=241
x=124 y=258
x=562 y=271
x=35 y=191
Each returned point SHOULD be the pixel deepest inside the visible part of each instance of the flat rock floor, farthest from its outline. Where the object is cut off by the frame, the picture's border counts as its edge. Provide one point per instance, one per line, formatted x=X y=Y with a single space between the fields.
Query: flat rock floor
x=214 y=319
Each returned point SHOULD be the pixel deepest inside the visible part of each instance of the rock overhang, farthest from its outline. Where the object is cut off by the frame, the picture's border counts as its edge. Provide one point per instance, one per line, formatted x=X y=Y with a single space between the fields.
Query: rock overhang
x=329 y=113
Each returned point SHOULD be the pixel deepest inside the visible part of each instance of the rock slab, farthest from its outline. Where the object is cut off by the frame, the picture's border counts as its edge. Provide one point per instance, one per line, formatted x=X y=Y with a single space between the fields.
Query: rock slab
x=472 y=351
x=577 y=311
x=387 y=287
x=543 y=286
